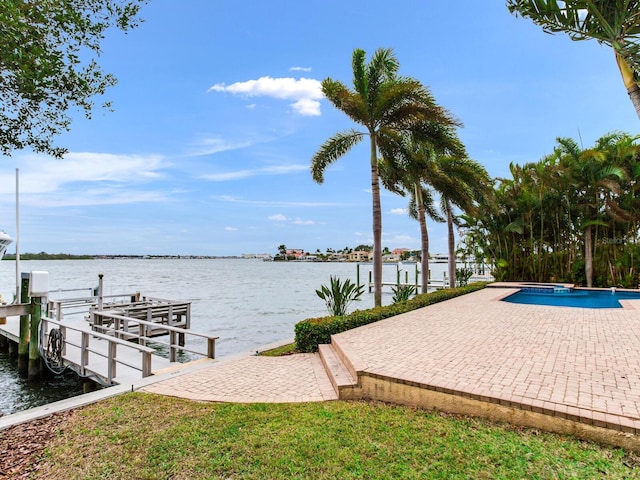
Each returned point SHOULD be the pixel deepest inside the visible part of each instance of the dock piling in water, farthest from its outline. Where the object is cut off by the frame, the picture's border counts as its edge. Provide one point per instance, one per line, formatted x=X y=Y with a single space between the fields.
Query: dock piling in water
x=24 y=334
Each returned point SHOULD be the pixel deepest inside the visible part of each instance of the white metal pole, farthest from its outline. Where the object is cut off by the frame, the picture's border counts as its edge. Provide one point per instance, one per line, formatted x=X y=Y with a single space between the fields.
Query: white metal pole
x=17 y=236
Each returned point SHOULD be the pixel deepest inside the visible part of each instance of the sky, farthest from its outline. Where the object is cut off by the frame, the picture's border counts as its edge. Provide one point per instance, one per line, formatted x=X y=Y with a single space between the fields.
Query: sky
x=218 y=111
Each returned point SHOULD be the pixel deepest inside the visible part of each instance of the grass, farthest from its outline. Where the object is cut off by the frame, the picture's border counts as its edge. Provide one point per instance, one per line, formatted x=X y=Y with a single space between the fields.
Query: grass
x=143 y=436
x=288 y=349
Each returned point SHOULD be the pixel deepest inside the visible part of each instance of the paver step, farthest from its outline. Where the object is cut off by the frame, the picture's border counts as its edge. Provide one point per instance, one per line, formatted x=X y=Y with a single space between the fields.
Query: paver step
x=337 y=371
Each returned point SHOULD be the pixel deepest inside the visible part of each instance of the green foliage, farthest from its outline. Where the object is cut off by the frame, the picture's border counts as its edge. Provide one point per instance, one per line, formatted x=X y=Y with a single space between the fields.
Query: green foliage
x=402 y=293
x=339 y=295
x=47 y=65
x=462 y=276
x=312 y=332
x=536 y=227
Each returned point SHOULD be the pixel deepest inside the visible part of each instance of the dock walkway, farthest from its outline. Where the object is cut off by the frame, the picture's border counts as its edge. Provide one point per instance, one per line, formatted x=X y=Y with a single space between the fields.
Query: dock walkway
x=128 y=369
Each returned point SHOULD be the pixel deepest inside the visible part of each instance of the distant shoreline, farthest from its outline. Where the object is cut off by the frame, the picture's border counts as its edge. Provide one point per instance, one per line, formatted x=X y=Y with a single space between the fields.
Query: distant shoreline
x=65 y=256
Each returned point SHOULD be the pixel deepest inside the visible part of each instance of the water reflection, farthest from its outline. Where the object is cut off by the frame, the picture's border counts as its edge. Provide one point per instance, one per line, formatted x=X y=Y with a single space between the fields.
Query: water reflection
x=20 y=393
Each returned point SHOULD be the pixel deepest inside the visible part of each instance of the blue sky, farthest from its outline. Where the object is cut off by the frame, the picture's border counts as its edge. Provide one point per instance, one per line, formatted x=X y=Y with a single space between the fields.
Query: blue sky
x=218 y=112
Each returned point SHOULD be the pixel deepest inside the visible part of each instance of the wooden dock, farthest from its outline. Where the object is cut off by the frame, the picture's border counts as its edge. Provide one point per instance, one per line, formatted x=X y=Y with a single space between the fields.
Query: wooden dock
x=105 y=360
x=108 y=340
x=156 y=312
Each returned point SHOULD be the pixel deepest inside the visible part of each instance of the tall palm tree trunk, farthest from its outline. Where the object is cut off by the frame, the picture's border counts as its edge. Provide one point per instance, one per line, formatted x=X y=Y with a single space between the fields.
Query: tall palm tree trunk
x=629 y=82
x=452 y=247
x=377 y=225
x=424 y=239
x=588 y=256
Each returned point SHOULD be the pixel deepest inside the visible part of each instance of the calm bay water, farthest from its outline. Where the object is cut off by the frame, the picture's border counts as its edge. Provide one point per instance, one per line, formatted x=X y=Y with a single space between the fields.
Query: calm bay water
x=247 y=303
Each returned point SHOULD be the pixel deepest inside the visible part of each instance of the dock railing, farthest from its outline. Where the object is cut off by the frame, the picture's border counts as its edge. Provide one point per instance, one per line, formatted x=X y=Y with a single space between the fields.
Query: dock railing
x=120 y=329
x=87 y=350
x=160 y=311
x=57 y=307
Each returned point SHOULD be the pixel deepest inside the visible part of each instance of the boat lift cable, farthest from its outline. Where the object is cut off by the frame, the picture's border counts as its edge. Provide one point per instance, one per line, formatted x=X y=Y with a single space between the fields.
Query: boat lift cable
x=52 y=358
x=53 y=355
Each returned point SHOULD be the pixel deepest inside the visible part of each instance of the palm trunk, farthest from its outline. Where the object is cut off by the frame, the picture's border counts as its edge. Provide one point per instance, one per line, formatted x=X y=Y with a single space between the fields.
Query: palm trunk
x=452 y=247
x=588 y=256
x=377 y=225
x=629 y=81
x=424 y=239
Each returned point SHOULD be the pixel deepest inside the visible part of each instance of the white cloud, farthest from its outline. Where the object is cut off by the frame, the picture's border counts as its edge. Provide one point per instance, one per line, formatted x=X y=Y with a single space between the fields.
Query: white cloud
x=269 y=170
x=231 y=229
x=399 y=211
x=212 y=145
x=300 y=69
x=82 y=179
x=93 y=198
x=278 y=217
x=303 y=222
x=396 y=240
x=264 y=203
x=41 y=174
x=307 y=107
x=306 y=92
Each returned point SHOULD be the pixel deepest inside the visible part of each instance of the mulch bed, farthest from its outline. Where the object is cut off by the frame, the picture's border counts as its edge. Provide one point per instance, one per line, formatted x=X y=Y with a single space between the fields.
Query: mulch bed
x=22 y=446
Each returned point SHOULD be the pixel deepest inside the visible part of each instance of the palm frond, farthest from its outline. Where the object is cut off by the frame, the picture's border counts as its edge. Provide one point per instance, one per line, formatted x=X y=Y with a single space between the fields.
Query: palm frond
x=615 y=23
x=331 y=150
x=359 y=72
x=347 y=101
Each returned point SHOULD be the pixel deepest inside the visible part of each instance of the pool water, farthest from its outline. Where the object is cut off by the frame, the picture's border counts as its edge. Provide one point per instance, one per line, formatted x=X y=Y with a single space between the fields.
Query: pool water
x=572 y=298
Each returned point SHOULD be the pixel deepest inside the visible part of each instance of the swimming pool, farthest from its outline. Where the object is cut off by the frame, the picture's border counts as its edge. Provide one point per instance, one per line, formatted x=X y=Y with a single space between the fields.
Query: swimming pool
x=571 y=298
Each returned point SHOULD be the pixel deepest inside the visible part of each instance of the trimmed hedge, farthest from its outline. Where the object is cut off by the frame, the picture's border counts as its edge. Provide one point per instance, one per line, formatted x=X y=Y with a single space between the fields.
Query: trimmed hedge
x=312 y=332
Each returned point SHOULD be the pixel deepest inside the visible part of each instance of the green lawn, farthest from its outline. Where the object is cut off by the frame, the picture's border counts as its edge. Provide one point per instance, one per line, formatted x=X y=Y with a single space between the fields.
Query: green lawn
x=141 y=436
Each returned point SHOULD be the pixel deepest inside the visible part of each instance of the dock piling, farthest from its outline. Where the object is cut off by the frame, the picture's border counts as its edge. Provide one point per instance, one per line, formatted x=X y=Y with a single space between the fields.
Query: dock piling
x=38 y=291
x=35 y=362
x=23 y=339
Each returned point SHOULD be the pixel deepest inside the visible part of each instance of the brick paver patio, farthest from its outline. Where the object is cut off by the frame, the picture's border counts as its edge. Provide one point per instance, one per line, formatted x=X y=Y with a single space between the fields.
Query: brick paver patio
x=292 y=378
x=579 y=364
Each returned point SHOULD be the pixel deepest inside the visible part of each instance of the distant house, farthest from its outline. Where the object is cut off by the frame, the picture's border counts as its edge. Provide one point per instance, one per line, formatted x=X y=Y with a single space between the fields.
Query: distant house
x=391 y=257
x=294 y=252
x=360 y=256
x=400 y=251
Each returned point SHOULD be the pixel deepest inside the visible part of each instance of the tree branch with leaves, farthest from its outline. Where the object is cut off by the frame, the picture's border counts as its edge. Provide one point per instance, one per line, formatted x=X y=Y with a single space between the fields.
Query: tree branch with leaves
x=615 y=23
x=48 y=66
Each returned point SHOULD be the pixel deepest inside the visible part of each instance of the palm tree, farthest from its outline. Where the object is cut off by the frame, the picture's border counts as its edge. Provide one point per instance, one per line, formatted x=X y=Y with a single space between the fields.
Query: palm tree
x=461 y=183
x=615 y=23
x=421 y=203
x=408 y=172
x=387 y=106
x=595 y=179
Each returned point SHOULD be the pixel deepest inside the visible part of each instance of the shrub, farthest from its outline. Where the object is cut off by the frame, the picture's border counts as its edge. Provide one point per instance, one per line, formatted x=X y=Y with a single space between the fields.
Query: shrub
x=402 y=293
x=339 y=295
x=312 y=332
x=462 y=276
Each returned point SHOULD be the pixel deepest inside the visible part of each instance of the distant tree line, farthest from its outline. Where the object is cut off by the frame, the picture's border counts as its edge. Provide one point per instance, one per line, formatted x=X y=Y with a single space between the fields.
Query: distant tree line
x=47 y=256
